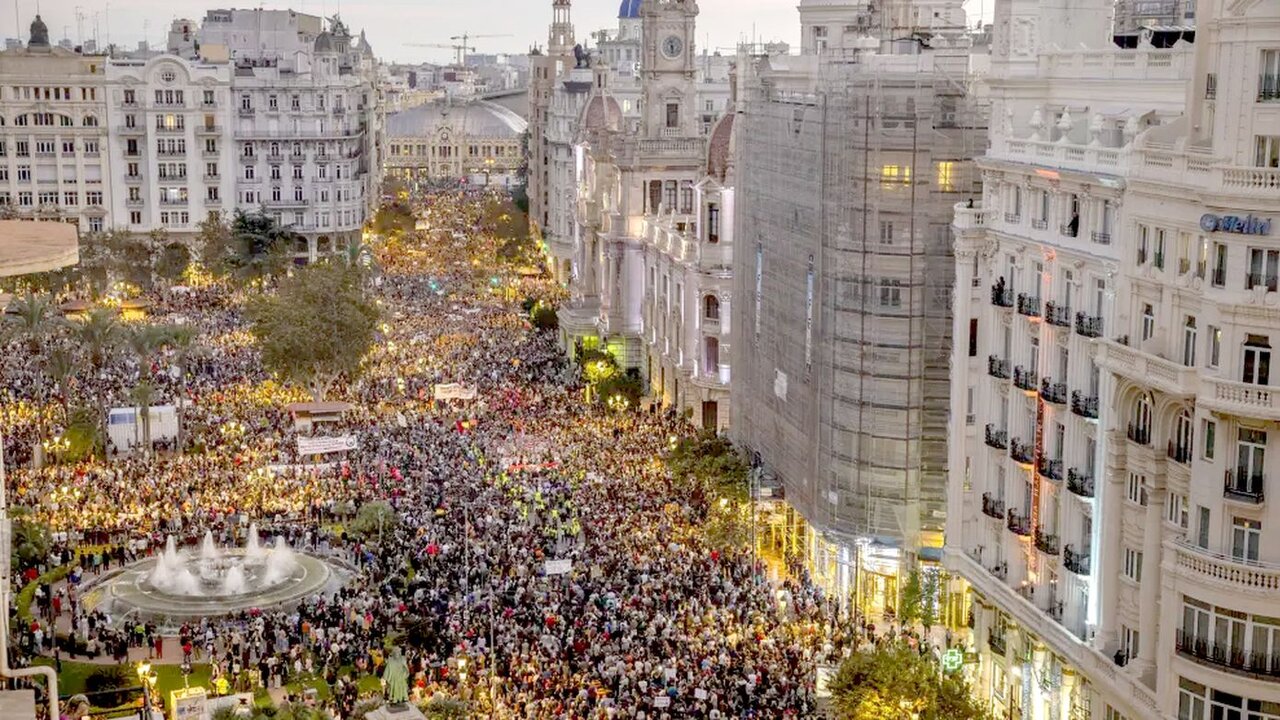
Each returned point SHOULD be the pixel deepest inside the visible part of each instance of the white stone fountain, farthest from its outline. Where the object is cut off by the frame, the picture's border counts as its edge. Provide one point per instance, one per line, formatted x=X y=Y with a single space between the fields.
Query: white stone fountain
x=222 y=572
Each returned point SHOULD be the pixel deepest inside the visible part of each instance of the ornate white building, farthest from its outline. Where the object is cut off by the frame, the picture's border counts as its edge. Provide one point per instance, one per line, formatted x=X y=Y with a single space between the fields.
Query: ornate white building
x=53 y=134
x=477 y=141
x=1116 y=297
x=307 y=121
x=171 y=148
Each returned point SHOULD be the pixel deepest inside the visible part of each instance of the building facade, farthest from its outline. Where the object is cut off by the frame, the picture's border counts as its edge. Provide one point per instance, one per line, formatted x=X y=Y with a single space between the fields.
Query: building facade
x=54 y=163
x=849 y=164
x=307 y=122
x=171 y=150
x=1115 y=287
x=477 y=142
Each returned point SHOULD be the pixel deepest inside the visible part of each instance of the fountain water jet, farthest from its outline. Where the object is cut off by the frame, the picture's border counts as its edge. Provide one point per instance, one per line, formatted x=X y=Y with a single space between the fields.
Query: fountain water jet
x=213 y=572
x=253 y=549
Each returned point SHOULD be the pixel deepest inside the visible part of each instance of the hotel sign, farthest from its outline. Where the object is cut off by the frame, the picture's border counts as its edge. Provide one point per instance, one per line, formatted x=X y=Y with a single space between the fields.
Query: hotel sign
x=1247 y=225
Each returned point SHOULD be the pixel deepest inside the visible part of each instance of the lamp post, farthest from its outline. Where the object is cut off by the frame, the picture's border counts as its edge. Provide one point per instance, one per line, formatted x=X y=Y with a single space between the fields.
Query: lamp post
x=148 y=679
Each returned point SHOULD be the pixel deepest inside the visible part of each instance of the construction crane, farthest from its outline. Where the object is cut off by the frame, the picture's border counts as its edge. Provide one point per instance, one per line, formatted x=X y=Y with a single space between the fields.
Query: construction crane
x=466 y=38
x=460 y=49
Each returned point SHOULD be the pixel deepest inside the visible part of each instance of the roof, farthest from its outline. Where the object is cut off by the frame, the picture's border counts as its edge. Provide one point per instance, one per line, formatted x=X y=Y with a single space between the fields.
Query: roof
x=479 y=118
x=720 y=146
x=629 y=9
x=32 y=247
x=602 y=113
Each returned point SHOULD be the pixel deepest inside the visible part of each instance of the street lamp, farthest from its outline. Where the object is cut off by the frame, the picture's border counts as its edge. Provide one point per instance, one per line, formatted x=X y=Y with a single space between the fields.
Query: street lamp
x=148 y=680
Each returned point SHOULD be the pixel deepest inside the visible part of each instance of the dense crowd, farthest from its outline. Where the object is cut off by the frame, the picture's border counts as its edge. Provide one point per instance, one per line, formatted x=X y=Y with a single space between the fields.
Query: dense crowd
x=650 y=621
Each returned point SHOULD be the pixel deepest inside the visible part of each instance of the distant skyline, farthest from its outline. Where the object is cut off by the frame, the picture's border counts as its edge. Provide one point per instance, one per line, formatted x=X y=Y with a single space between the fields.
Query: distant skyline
x=390 y=24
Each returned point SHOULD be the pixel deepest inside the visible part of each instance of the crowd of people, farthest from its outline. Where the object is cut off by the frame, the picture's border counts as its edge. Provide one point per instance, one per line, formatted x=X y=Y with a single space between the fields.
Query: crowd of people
x=541 y=563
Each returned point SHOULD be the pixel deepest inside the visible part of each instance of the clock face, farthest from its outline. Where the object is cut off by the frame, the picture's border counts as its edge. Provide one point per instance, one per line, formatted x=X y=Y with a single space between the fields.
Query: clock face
x=672 y=46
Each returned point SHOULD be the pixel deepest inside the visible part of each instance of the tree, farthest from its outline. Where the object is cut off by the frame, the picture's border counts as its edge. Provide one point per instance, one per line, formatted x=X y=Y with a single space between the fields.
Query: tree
x=143 y=396
x=182 y=340
x=30 y=538
x=103 y=680
x=172 y=262
x=896 y=682
x=146 y=341
x=442 y=707
x=35 y=318
x=101 y=334
x=544 y=318
x=373 y=519
x=393 y=219
x=253 y=247
x=713 y=463
x=911 y=599
x=317 y=327
x=61 y=365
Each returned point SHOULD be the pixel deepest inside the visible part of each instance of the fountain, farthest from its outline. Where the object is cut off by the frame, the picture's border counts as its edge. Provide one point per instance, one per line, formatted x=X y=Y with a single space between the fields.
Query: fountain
x=208 y=580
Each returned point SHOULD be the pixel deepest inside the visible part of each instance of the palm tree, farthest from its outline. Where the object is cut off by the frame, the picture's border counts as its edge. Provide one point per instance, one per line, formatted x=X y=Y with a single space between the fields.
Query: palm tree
x=146 y=342
x=182 y=340
x=101 y=333
x=35 y=318
x=143 y=395
x=61 y=366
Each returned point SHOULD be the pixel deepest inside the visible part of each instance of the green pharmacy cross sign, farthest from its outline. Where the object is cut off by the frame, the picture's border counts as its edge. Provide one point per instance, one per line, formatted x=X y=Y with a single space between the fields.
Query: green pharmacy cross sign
x=952 y=659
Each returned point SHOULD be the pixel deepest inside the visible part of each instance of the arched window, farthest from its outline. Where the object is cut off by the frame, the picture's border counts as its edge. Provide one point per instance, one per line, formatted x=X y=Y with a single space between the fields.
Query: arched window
x=90 y=121
x=1182 y=441
x=1140 y=425
x=711 y=355
x=711 y=307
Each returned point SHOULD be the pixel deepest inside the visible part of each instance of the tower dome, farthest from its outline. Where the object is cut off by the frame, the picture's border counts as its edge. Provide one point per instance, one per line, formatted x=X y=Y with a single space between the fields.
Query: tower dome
x=629 y=9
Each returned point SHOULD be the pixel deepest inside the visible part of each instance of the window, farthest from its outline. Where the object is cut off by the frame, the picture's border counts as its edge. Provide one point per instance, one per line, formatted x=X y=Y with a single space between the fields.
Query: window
x=1112 y=714
x=1133 y=565
x=1210 y=437
x=208 y=97
x=246 y=103
x=711 y=307
x=1215 y=346
x=1269 y=76
x=1251 y=456
x=713 y=223
x=1129 y=640
x=1246 y=535
x=673 y=115
x=211 y=193
x=1176 y=510
x=1136 y=489
x=248 y=172
x=973 y=337
x=1257 y=360
x=1267 y=153
x=890 y=292
x=1202 y=538
x=946 y=176
x=686 y=195
x=1189 y=342
x=135 y=217
x=895 y=174
x=273 y=102
x=1144 y=244
x=24 y=173
x=886 y=232
x=1219 y=278
x=1148 y=321
x=1157 y=259
x=1264 y=266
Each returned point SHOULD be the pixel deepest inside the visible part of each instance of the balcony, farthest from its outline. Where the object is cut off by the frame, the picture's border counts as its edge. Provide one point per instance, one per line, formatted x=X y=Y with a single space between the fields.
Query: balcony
x=1041 y=224
x=133 y=131
x=1256 y=579
x=175 y=130
x=1046 y=542
x=1022 y=452
x=1089 y=326
x=969 y=218
x=174 y=202
x=1056 y=314
x=1240 y=399
x=171 y=179
x=1012 y=218
x=1028 y=305
x=1071 y=229
x=1146 y=369
x=1140 y=434
x=1053 y=392
x=1051 y=469
x=1102 y=238
x=1208 y=651
x=991 y=507
x=208 y=130
x=1261 y=280
x=1179 y=453
x=246 y=112
x=1001 y=296
x=996 y=438
x=999 y=570
x=1244 y=486
x=1018 y=524
x=1024 y=379
x=996 y=642
x=1080 y=483
x=1076 y=562
x=1086 y=406
x=997 y=368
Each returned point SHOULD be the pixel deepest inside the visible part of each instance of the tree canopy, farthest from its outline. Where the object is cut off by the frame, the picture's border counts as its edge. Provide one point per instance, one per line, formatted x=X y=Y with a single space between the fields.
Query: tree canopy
x=895 y=682
x=252 y=246
x=316 y=327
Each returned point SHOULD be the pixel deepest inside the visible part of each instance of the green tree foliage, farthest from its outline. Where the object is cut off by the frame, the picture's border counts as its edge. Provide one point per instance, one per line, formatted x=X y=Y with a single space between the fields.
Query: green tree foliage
x=30 y=538
x=394 y=219
x=84 y=434
x=712 y=462
x=442 y=707
x=373 y=518
x=544 y=318
x=895 y=682
x=108 y=678
x=172 y=261
x=317 y=327
x=253 y=247
x=33 y=318
x=101 y=334
x=626 y=386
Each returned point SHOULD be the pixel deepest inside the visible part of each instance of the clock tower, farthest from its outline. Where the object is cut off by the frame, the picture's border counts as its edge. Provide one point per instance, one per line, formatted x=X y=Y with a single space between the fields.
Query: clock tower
x=667 y=67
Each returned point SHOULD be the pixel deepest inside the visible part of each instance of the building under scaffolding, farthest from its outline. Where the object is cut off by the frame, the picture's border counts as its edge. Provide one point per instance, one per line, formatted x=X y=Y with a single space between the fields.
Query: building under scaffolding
x=850 y=164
